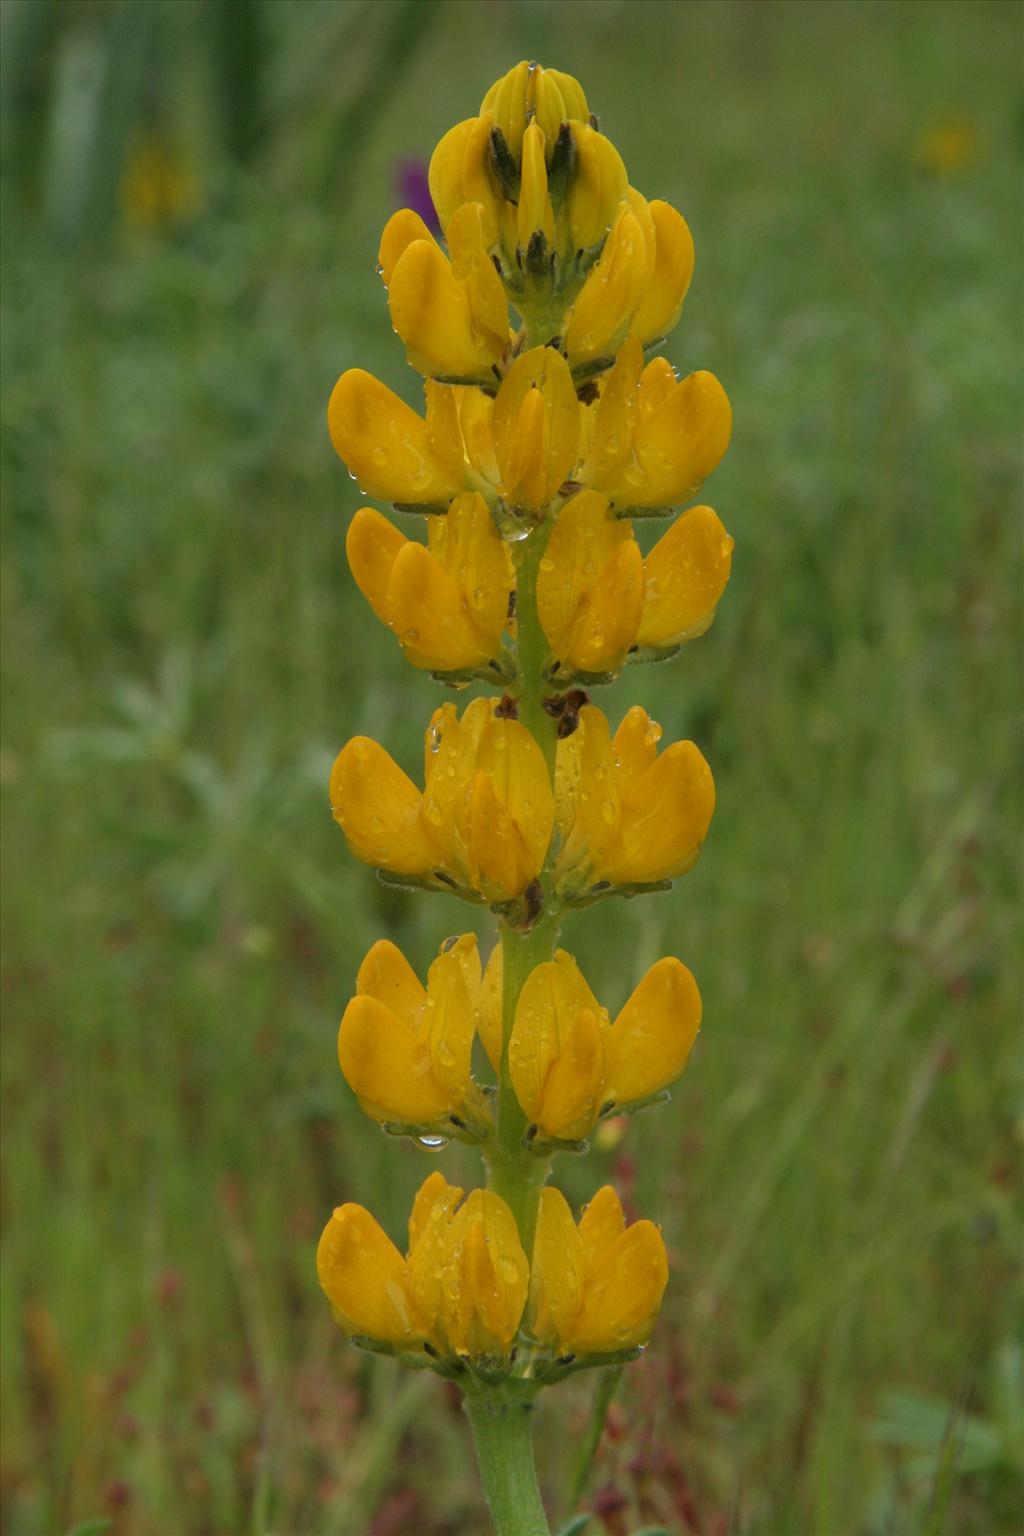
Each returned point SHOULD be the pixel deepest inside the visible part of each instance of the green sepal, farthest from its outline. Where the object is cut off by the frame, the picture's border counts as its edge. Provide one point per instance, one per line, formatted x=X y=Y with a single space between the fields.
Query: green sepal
x=502 y=669
x=652 y=653
x=563 y=163
x=421 y=508
x=576 y=1525
x=564 y=1366
x=638 y=514
x=546 y=1146
x=598 y=892
x=634 y=1106
x=436 y=882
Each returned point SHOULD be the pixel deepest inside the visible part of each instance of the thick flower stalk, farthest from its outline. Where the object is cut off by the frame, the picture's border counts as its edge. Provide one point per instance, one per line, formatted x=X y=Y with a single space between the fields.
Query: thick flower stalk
x=547 y=430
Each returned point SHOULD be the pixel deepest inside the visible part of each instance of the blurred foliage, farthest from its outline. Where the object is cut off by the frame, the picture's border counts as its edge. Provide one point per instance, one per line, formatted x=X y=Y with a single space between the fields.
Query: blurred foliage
x=192 y=197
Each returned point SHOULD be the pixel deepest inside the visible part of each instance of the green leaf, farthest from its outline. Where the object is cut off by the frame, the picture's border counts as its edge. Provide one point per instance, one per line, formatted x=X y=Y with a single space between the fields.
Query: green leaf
x=577 y=1524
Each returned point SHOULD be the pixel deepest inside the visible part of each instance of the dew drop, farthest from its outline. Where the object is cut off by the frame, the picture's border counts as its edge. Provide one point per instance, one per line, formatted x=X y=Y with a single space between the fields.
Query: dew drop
x=432 y=1143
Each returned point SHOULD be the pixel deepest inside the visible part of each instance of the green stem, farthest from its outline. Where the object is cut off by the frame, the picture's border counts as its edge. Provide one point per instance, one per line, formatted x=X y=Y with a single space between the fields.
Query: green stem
x=514 y=1172
x=503 y=1436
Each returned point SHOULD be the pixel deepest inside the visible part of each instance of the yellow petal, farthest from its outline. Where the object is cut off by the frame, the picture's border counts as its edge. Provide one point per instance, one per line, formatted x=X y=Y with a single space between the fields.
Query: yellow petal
x=398 y=234
x=445 y=176
x=467 y=545
x=443 y=434
x=556 y=1271
x=429 y=616
x=431 y=311
x=365 y=1279
x=534 y=211
x=485 y=1277
x=613 y=418
x=596 y=188
x=449 y=1025
x=385 y=444
x=389 y=1067
x=387 y=975
x=665 y=818
x=601 y=314
x=607 y=628
x=507 y=100
x=589 y=813
x=490 y=1022
x=429 y=1223
x=513 y=765
x=662 y=303
x=474 y=270
x=574 y=102
x=575 y=1088
x=372 y=546
x=450 y=749
x=623 y=1295
x=548 y=1004
x=378 y=808
x=601 y=1226
x=435 y=1197
x=475 y=413
x=657 y=381
x=679 y=443
x=584 y=539
x=685 y=575
x=635 y=746
x=654 y=1034
x=536 y=427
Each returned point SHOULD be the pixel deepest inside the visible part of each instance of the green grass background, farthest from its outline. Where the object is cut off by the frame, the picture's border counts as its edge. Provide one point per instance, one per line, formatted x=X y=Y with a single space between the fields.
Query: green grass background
x=185 y=652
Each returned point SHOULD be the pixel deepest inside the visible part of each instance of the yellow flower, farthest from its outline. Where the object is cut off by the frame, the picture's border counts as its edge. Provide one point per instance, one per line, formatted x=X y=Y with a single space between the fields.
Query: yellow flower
x=484 y=1279
x=483 y=821
x=595 y=190
x=598 y=597
x=461 y=1290
x=625 y=815
x=590 y=587
x=535 y=428
x=366 y=1280
x=568 y=1063
x=528 y=93
x=448 y=602
x=594 y=1289
x=671 y=258
x=451 y=314
x=392 y=452
x=404 y=1049
x=611 y=293
x=651 y=438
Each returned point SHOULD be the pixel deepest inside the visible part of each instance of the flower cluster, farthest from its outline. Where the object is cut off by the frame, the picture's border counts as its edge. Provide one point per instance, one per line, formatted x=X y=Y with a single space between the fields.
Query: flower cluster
x=547 y=430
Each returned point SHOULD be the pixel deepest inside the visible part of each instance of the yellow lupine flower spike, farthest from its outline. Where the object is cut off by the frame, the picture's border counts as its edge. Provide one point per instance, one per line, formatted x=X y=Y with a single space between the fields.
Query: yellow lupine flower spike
x=405 y=1050
x=484 y=820
x=627 y=816
x=448 y=604
x=595 y=1289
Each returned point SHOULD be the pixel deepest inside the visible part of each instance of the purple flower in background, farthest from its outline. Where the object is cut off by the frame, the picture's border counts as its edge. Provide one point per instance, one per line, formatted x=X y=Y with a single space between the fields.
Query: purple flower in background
x=414 y=191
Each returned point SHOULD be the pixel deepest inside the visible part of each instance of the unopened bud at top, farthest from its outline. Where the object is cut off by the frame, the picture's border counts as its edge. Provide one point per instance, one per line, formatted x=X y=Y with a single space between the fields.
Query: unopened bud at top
x=529 y=93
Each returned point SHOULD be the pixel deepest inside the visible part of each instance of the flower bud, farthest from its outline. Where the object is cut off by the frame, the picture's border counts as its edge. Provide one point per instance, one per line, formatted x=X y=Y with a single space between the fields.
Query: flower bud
x=530 y=93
